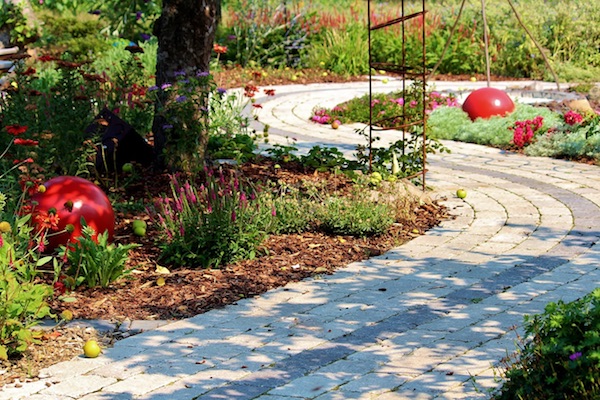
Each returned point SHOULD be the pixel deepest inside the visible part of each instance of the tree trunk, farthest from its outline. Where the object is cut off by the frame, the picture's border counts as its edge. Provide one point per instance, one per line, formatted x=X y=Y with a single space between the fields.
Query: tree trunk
x=186 y=31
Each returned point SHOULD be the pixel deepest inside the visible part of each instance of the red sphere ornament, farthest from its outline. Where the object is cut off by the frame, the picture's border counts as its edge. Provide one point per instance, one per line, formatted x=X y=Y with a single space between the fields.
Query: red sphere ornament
x=73 y=198
x=488 y=102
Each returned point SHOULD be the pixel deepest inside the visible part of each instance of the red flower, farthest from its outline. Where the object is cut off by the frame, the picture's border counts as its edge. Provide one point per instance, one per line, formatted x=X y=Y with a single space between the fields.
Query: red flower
x=26 y=142
x=257 y=105
x=270 y=92
x=15 y=130
x=250 y=90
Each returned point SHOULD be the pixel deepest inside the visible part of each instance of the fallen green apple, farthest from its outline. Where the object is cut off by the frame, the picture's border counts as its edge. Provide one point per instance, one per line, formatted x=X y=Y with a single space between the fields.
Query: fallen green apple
x=127 y=168
x=139 y=223
x=461 y=193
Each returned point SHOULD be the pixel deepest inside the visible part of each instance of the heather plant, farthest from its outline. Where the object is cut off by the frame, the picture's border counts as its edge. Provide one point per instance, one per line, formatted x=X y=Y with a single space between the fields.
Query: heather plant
x=222 y=221
x=558 y=358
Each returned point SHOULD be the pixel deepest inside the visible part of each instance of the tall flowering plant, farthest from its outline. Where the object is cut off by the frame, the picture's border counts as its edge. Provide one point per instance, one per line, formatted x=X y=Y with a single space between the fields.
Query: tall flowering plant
x=223 y=220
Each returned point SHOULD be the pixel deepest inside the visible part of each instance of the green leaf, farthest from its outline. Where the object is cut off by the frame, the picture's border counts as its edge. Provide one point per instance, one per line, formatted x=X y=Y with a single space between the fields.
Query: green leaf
x=43 y=261
x=69 y=299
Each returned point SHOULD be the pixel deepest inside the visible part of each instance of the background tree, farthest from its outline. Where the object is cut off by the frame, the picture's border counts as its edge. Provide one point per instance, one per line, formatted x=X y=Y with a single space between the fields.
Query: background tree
x=186 y=31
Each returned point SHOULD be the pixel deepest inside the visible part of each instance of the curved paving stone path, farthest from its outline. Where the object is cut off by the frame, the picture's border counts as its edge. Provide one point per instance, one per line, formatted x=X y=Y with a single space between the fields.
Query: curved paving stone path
x=415 y=323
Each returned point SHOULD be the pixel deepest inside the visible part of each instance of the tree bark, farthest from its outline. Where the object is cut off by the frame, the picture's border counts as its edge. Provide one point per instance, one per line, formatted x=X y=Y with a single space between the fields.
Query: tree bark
x=186 y=31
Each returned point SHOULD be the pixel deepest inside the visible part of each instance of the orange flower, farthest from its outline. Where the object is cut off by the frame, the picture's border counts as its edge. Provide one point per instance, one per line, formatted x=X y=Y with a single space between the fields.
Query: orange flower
x=219 y=49
x=45 y=220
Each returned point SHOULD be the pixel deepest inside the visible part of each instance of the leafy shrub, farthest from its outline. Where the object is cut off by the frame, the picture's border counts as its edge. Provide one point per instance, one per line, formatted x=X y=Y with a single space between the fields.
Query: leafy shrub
x=14 y=22
x=325 y=159
x=95 y=263
x=561 y=359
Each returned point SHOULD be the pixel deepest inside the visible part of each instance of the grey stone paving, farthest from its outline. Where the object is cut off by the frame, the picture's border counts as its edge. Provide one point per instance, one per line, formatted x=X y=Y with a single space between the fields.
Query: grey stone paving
x=427 y=320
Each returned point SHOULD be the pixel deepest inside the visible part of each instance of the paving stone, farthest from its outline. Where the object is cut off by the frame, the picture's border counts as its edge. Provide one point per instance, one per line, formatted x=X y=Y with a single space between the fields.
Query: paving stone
x=78 y=386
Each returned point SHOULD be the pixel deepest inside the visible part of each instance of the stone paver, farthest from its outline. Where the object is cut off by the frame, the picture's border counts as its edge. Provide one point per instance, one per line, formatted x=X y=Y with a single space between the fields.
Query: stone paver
x=428 y=320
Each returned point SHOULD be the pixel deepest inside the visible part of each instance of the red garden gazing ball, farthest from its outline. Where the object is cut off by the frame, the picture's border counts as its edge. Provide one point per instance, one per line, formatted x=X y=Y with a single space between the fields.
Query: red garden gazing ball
x=488 y=102
x=72 y=198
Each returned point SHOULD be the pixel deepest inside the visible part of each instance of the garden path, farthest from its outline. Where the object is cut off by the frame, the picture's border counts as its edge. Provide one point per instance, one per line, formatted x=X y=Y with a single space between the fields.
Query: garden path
x=426 y=320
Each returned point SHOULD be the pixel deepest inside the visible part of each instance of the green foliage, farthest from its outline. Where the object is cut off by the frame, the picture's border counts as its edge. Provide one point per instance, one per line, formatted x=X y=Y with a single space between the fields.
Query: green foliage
x=194 y=109
x=22 y=304
x=561 y=359
x=325 y=159
x=577 y=141
x=239 y=147
x=343 y=52
x=282 y=153
x=222 y=221
x=75 y=36
x=358 y=216
x=95 y=262
x=265 y=34
x=56 y=117
x=126 y=19
x=22 y=299
x=294 y=213
x=13 y=21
